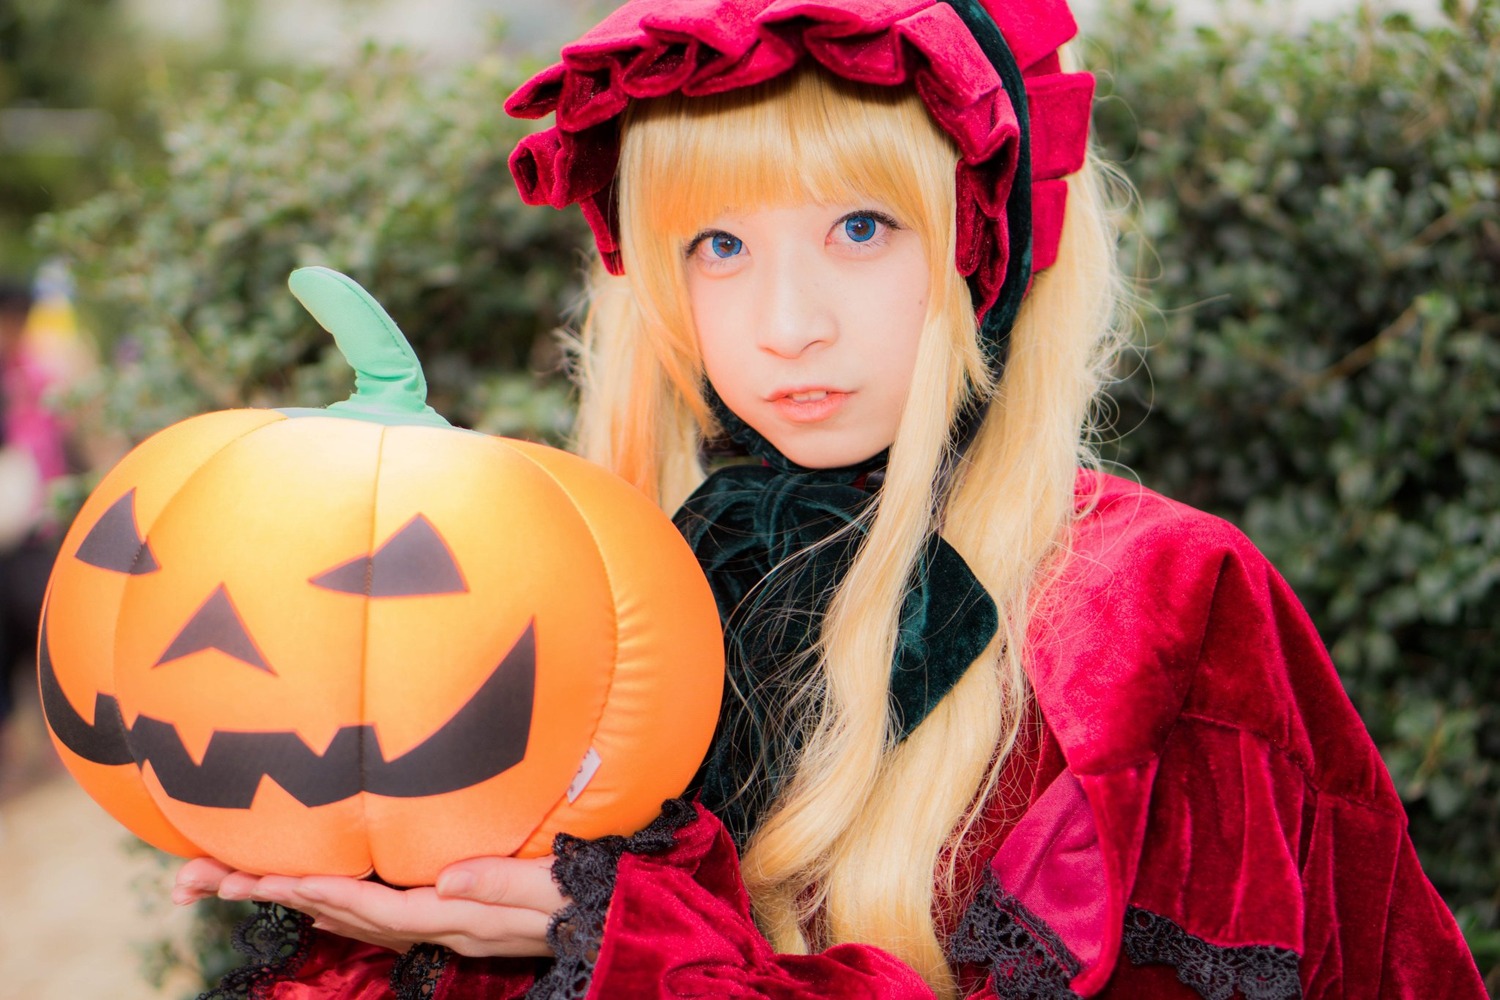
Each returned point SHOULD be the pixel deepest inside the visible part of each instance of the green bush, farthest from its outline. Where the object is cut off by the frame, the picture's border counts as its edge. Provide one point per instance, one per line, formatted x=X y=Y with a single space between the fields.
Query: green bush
x=86 y=77
x=377 y=170
x=1319 y=239
x=64 y=63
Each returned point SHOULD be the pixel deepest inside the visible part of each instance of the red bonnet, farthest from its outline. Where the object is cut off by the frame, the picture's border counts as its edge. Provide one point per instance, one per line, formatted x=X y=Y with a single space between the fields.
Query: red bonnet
x=649 y=48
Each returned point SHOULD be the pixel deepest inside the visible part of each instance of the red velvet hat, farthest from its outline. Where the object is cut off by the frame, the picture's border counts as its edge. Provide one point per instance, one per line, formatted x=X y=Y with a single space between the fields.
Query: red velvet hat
x=648 y=48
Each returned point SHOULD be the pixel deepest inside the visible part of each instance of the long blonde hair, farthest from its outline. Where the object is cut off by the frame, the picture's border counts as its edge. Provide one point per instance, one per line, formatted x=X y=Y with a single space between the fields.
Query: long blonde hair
x=832 y=860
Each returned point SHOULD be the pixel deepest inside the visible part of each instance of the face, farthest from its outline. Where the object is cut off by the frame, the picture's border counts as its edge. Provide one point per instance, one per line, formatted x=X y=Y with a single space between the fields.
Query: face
x=808 y=319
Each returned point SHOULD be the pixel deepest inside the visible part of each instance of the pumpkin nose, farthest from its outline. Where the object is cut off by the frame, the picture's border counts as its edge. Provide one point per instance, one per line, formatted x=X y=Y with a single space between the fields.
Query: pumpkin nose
x=216 y=625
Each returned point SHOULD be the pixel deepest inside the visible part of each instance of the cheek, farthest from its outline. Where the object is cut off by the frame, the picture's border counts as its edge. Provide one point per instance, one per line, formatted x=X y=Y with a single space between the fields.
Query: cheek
x=891 y=307
x=722 y=341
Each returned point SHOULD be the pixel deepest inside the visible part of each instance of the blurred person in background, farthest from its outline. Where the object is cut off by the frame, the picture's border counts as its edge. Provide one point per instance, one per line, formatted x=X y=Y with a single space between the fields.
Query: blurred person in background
x=33 y=453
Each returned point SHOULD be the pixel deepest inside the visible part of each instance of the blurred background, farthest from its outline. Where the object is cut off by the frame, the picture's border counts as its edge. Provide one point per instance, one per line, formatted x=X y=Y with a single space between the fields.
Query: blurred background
x=1315 y=235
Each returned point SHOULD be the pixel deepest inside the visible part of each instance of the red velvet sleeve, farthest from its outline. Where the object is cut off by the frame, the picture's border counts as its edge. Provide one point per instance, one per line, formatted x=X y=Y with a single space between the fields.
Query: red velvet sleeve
x=314 y=965
x=1424 y=953
x=1245 y=822
x=679 y=926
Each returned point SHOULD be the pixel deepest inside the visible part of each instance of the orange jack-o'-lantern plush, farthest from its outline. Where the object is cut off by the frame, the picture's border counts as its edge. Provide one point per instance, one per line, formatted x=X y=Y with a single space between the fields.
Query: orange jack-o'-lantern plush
x=359 y=640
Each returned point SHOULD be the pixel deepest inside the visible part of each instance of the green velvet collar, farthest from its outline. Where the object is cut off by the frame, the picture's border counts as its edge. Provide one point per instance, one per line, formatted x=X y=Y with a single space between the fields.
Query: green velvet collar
x=774 y=546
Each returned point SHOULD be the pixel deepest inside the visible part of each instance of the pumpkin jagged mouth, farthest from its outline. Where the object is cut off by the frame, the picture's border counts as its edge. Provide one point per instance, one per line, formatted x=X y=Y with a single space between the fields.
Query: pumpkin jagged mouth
x=486 y=736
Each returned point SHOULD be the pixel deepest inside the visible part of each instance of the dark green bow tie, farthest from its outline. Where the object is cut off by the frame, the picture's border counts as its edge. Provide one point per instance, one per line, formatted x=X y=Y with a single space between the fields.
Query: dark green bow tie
x=771 y=544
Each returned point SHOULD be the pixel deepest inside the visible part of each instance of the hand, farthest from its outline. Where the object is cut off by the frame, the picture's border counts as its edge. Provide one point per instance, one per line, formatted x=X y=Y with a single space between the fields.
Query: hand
x=482 y=906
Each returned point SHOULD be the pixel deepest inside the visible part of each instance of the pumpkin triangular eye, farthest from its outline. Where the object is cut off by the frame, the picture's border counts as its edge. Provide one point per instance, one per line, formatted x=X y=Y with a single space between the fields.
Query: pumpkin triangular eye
x=415 y=561
x=216 y=625
x=114 y=543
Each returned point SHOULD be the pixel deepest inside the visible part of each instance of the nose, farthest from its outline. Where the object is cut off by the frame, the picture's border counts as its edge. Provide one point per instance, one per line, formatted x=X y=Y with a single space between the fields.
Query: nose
x=798 y=306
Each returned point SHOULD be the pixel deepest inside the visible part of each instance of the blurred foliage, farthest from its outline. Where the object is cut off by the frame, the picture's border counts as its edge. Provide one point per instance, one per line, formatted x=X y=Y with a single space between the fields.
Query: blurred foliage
x=1319 y=243
x=79 y=84
x=56 y=55
x=201 y=956
x=379 y=170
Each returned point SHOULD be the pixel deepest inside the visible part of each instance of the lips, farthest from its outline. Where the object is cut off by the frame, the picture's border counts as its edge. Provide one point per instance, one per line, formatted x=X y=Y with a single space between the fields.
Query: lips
x=805 y=405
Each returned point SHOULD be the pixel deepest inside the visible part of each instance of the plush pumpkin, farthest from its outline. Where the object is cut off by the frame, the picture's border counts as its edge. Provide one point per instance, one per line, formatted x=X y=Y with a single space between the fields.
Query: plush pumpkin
x=358 y=639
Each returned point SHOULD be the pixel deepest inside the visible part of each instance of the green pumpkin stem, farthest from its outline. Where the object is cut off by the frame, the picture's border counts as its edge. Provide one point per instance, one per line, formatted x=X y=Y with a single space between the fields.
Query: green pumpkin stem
x=389 y=387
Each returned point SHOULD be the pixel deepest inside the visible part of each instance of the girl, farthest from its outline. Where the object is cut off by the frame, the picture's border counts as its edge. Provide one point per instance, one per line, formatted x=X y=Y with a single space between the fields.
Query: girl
x=996 y=727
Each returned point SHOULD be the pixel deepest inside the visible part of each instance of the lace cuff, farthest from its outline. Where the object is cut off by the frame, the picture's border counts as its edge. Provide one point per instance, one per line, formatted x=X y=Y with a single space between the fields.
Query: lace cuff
x=1026 y=958
x=416 y=973
x=275 y=940
x=1256 y=972
x=1029 y=961
x=585 y=870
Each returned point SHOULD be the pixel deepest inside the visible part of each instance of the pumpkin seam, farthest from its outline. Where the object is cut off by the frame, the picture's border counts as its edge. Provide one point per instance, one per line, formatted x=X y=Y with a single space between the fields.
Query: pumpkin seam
x=614 y=617
x=364 y=685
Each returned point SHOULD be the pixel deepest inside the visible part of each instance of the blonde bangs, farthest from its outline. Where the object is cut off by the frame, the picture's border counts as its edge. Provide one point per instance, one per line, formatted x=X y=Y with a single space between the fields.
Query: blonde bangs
x=805 y=136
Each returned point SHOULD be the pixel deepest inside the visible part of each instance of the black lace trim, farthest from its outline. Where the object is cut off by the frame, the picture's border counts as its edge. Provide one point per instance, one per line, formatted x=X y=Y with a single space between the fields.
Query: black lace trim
x=1026 y=958
x=416 y=973
x=585 y=870
x=1028 y=961
x=1257 y=972
x=276 y=941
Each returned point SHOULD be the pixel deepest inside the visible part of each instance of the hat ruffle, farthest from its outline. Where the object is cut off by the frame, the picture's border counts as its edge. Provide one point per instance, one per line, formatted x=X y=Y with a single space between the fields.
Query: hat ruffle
x=650 y=48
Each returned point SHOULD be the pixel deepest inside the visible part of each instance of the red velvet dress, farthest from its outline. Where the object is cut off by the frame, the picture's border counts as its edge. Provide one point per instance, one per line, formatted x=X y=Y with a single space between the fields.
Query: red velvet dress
x=1205 y=816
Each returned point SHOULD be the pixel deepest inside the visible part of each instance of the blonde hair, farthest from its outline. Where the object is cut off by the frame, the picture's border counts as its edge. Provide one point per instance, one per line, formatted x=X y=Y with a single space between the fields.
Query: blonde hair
x=832 y=859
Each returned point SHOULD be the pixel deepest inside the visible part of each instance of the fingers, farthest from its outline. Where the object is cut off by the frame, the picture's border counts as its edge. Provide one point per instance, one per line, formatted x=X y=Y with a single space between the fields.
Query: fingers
x=521 y=882
x=483 y=906
x=198 y=879
x=398 y=918
x=500 y=931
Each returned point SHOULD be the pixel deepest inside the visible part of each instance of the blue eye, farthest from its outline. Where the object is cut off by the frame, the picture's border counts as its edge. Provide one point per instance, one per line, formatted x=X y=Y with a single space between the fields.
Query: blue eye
x=724 y=245
x=861 y=228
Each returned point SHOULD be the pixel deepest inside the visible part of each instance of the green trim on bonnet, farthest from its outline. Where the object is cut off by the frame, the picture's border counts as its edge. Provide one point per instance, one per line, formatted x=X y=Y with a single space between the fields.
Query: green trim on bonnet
x=997 y=322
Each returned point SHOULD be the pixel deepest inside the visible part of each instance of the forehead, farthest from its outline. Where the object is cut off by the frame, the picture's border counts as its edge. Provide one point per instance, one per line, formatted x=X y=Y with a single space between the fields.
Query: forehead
x=805 y=140
x=796 y=218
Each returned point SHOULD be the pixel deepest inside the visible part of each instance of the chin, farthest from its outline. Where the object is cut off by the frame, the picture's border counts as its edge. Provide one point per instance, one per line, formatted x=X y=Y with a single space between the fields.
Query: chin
x=811 y=457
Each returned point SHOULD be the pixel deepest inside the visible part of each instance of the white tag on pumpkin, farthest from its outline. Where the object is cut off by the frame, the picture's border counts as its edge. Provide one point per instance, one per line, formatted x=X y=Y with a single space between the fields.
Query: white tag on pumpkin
x=585 y=774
